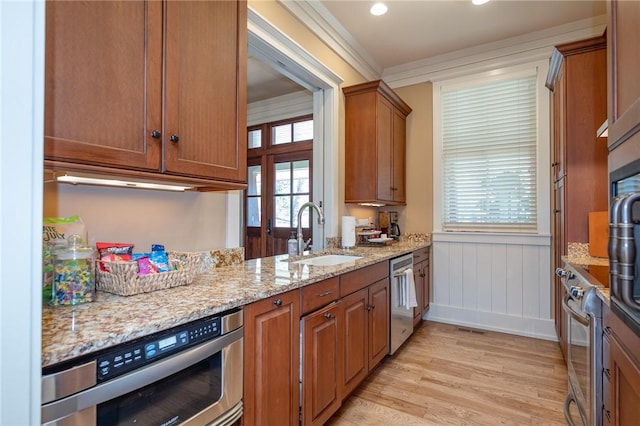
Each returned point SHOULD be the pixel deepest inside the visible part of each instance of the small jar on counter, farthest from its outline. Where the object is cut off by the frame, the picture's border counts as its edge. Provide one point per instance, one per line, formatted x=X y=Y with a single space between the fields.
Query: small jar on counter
x=74 y=273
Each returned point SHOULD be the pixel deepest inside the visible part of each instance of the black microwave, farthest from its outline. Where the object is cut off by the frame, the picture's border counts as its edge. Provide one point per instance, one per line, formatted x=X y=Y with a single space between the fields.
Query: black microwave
x=624 y=241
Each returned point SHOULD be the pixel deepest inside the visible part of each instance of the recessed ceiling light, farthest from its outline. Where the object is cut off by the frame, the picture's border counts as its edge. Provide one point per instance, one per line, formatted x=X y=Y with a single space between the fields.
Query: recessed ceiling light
x=479 y=2
x=378 y=9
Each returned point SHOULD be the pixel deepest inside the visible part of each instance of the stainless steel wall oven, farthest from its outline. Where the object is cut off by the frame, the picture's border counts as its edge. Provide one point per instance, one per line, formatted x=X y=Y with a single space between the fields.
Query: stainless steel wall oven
x=190 y=374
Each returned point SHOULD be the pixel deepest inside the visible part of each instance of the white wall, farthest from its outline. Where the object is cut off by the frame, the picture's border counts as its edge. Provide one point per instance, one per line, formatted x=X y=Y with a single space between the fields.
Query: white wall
x=183 y=221
x=495 y=282
x=21 y=112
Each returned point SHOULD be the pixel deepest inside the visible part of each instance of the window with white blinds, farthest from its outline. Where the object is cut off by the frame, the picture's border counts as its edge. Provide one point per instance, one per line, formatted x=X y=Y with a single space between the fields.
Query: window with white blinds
x=489 y=144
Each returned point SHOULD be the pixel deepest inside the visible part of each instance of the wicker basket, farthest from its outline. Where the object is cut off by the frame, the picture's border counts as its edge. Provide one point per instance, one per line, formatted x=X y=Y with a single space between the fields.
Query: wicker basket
x=123 y=278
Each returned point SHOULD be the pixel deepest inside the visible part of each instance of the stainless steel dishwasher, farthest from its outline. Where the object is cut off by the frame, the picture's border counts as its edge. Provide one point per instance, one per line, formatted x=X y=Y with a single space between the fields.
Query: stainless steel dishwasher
x=190 y=374
x=401 y=316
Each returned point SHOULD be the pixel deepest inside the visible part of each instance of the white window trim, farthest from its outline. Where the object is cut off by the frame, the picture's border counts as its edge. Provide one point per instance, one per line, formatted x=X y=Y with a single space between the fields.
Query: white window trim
x=543 y=144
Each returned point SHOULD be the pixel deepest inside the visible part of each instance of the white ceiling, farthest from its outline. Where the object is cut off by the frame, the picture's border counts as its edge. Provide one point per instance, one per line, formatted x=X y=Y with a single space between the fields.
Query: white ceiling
x=414 y=30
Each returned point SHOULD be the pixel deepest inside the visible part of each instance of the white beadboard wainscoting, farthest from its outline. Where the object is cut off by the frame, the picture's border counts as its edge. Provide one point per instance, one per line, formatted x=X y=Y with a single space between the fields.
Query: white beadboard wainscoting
x=496 y=282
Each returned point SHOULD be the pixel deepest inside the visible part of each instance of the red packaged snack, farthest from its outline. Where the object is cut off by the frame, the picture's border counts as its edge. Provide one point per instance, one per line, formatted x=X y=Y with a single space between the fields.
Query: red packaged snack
x=114 y=252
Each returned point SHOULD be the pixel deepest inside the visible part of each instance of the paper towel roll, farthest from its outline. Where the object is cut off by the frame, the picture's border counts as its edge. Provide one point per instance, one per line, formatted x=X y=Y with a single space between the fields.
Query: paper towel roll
x=348 y=231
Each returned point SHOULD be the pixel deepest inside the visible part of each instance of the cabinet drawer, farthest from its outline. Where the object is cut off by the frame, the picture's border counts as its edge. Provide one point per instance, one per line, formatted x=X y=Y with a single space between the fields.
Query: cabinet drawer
x=316 y=295
x=420 y=255
x=354 y=281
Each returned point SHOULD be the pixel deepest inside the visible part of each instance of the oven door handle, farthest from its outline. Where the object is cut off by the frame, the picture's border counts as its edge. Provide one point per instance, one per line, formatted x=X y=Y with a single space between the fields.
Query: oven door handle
x=567 y=413
x=582 y=319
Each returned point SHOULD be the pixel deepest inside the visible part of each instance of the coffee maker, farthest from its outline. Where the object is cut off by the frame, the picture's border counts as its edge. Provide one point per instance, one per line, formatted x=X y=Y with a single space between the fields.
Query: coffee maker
x=388 y=223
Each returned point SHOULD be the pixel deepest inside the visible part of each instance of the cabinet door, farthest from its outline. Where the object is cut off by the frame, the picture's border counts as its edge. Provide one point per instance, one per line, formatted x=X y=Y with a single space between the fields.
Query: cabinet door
x=426 y=291
x=103 y=81
x=558 y=106
x=321 y=365
x=623 y=38
x=379 y=300
x=625 y=386
x=399 y=157
x=271 y=362
x=205 y=89
x=355 y=348
x=385 y=120
x=418 y=279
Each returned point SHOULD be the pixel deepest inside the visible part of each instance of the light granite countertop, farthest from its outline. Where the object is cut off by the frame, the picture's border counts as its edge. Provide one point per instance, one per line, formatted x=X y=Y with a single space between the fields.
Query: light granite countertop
x=70 y=332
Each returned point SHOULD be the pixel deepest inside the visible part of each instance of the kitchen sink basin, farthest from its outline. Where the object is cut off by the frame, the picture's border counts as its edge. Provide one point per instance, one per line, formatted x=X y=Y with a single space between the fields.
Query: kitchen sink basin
x=328 y=260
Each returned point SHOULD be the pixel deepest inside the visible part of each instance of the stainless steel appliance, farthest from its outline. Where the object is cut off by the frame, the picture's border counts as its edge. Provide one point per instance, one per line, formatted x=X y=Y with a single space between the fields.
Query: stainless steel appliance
x=624 y=236
x=584 y=357
x=624 y=244
x=400 y=269
x=190 y=375
x=388 y=223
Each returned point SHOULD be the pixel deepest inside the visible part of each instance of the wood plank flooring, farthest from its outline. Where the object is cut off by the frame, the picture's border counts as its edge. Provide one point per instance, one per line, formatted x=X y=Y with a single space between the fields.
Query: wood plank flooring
x=450 y=375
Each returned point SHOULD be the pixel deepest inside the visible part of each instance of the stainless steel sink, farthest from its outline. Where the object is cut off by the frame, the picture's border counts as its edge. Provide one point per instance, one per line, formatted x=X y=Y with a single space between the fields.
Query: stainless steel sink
x=328 y=260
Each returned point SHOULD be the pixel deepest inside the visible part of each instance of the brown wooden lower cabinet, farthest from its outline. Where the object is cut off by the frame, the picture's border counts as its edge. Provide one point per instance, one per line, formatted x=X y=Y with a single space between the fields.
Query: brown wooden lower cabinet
x=621 y=373
x=421 y=278
x=366 y=332
x=321 y=364
x=306 y=350
x=271 y=361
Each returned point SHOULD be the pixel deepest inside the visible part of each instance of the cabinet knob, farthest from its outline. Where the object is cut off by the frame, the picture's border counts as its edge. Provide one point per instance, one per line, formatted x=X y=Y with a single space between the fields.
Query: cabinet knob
x=174 y=138
x=328 y=315
x=557 y=211
x=370 y=307
x=155 y=134
x=277 y=302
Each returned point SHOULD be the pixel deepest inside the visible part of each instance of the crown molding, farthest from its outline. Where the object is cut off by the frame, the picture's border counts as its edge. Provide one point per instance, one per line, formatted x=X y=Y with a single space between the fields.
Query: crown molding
x=508 y=52
x=324 y=25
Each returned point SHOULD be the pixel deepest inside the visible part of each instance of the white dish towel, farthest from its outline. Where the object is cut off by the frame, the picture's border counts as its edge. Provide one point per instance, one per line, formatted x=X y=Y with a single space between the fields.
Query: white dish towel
x=410 y=294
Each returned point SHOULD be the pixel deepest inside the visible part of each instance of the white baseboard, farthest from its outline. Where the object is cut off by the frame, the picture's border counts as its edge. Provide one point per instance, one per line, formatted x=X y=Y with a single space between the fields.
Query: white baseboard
x=521 y=326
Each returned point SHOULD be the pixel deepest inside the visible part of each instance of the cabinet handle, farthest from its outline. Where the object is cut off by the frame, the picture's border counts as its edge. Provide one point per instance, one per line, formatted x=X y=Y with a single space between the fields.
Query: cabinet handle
x=554 y=164
x=328 y=315
x=370 y=307
x=607 y=373
x=324 y=293
x=174 y=138
x=607 y=413
x=393 y=188
x=277 y=302
x=155 y=134
x=557 y=211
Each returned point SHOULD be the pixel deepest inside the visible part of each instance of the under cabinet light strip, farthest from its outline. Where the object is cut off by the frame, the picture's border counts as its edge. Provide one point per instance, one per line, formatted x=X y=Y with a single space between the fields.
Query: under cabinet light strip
x=75 y=180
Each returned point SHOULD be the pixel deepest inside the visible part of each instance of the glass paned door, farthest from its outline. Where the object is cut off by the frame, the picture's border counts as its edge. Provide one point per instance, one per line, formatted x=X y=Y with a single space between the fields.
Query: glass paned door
x=279 y=183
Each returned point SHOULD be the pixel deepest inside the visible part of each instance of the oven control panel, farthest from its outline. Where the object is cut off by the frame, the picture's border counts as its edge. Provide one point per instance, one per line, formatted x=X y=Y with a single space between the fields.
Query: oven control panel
x=157 y=346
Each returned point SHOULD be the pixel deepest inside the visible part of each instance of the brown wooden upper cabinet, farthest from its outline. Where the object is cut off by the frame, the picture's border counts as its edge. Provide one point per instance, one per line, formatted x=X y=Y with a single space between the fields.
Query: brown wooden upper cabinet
x=375 y=139
x=148 y=89
x=623 y=36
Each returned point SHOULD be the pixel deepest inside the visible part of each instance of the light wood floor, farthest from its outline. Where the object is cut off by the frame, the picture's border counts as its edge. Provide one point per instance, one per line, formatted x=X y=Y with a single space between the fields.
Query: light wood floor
x=449 y=375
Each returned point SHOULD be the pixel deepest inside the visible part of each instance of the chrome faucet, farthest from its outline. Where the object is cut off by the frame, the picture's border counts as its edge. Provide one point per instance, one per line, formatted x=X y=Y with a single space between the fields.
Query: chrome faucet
x=301 y=243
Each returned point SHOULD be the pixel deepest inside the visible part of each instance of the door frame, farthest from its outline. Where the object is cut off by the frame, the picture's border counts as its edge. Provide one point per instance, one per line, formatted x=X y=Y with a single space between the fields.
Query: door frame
x=273 y=47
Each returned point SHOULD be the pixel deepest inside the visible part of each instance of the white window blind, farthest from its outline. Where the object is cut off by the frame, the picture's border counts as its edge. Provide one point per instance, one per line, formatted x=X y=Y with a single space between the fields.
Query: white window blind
x=489 y=156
